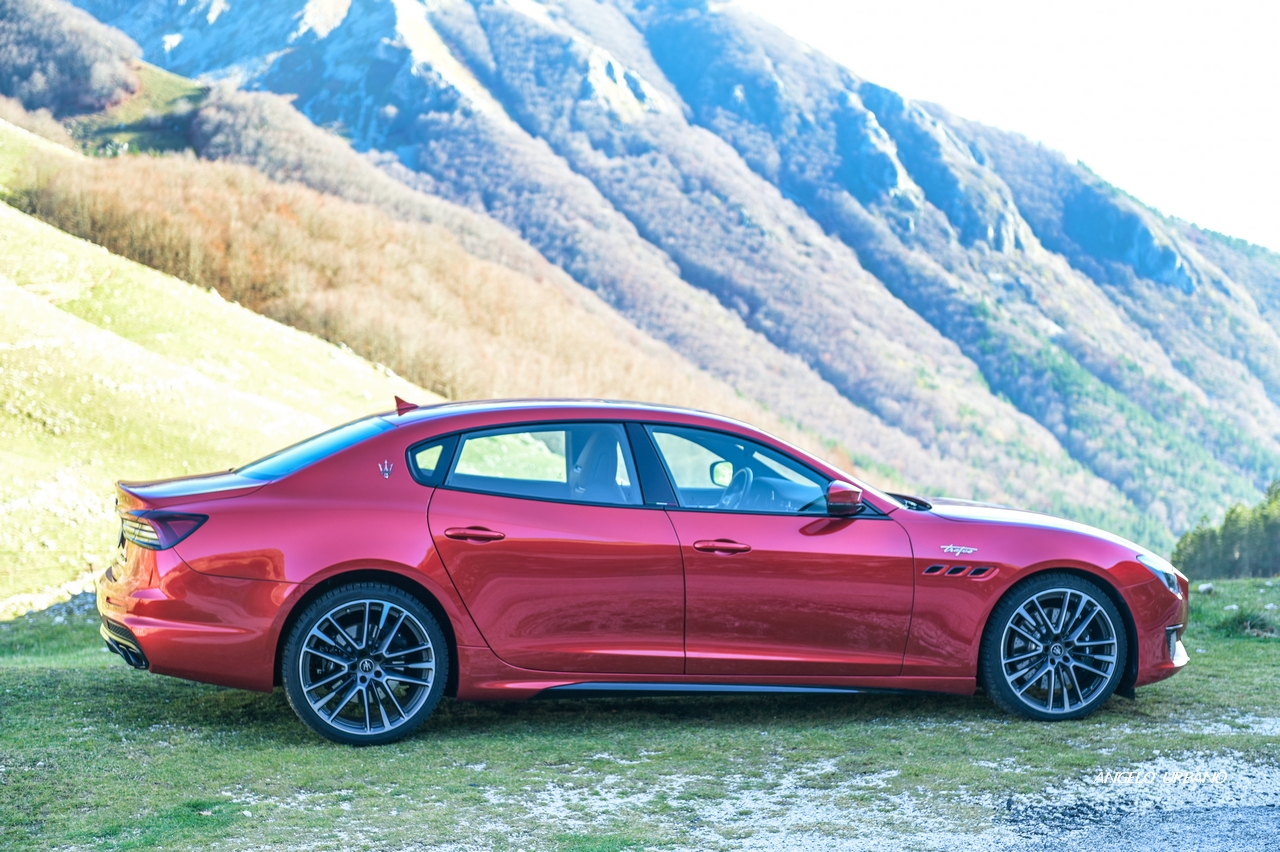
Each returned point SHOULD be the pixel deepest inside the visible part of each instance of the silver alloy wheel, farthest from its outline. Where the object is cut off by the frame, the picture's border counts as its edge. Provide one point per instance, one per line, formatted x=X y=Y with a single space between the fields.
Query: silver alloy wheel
x=1058 y=651
x=367 y=666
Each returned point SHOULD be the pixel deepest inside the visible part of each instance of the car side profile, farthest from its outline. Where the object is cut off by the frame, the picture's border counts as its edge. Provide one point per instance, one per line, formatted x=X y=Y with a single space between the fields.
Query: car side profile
x=506 y=549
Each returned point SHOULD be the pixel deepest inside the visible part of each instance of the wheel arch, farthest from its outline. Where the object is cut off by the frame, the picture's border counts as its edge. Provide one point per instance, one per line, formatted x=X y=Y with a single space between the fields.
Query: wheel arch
x=1130 y=676
x=372 y=575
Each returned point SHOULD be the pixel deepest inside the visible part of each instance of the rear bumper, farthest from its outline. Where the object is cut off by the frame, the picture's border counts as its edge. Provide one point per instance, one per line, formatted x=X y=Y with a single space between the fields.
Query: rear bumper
x=181 y=623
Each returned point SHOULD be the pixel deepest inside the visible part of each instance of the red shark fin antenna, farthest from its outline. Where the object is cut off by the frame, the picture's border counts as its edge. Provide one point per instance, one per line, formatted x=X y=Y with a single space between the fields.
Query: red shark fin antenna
x=404 y=407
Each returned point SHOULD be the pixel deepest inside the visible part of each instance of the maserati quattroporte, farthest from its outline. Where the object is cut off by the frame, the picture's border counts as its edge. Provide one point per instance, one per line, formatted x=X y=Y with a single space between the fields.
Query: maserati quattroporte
x=502 y=550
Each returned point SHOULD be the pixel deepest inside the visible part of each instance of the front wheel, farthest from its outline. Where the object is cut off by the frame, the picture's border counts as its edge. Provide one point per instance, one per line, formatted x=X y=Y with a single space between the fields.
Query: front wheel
x=1055 y=648
x=365 y=664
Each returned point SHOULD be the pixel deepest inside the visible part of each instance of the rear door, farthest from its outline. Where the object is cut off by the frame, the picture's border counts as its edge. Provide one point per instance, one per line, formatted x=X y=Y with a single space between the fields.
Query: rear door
x=775 y=586
x=547 y=537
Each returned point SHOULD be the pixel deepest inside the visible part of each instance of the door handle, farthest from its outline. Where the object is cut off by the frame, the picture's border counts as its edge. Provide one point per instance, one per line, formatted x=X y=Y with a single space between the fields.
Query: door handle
x=473 y=534
x=721 y=545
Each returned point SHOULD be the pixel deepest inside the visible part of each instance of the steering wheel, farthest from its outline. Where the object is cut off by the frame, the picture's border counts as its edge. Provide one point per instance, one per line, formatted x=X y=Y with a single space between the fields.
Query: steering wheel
x=736 y=489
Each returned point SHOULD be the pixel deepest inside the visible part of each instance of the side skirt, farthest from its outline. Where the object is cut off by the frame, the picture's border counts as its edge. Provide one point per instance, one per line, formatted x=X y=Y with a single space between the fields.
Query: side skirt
x=587 y=690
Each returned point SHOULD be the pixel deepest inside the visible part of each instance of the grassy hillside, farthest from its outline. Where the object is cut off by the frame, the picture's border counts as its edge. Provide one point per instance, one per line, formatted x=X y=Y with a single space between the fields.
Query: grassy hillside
x=110 y=370
x=155 y=119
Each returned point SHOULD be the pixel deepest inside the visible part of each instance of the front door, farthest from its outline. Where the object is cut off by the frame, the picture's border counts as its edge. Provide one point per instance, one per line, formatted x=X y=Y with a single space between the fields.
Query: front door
x=546 y=537
x=773 y=585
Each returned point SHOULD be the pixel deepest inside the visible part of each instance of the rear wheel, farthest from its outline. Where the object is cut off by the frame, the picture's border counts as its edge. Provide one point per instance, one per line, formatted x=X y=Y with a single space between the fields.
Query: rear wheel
x=365 y=664
x=1055 y=648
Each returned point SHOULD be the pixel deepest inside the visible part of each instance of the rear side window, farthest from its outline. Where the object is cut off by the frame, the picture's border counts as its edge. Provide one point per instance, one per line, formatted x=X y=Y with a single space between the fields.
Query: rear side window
x=290 y=459
x=429 y=460
x=577 y=462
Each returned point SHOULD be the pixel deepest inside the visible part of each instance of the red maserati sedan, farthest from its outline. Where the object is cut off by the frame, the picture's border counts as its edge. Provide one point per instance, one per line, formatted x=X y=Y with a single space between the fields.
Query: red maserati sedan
x=501 y=550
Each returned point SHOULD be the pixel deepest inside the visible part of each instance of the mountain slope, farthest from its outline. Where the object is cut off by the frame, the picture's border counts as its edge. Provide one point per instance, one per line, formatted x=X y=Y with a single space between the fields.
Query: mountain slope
x=516 y=110
x=927 y=207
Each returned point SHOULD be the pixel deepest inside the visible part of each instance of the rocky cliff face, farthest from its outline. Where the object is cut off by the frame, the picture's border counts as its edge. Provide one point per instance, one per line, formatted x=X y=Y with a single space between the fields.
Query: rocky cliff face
x=945 y=299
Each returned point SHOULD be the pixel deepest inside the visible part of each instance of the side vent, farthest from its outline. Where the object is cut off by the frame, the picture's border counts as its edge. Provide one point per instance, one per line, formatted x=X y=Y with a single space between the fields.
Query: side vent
x=957 y=569
x=934 y=569
x=978 y=572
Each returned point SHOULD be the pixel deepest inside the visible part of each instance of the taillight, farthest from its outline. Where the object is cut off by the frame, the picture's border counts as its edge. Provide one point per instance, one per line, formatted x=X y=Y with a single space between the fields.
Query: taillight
x=156 y=529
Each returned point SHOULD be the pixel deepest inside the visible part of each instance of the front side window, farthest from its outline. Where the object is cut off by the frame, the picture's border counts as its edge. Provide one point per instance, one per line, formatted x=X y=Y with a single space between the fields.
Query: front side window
x=577 y=462
x=721 y=472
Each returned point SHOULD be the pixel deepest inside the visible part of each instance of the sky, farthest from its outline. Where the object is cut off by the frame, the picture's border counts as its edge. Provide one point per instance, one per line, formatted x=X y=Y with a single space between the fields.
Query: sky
x=1177 y=103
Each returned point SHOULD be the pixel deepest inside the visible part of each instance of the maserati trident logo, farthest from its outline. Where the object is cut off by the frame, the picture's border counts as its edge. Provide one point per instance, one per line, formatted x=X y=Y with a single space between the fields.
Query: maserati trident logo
x=385 y=469
x=958 y=550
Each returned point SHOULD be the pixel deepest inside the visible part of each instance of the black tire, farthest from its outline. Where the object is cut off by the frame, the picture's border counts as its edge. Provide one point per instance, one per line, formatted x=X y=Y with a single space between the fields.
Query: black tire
x=365 y=664
x=1050 y=636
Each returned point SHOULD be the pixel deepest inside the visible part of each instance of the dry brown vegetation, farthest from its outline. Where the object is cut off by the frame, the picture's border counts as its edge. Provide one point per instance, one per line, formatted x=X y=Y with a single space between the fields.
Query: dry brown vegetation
x=404 y=294
x=40 y=122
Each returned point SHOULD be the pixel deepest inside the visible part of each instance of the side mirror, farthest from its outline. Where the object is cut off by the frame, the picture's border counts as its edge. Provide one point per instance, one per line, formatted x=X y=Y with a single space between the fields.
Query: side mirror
x=843 y=498
x=721 y=473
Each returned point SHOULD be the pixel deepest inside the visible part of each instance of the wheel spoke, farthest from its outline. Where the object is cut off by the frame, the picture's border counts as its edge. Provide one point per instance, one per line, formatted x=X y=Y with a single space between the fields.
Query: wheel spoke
x=323 y=655
x=1106 y=658
x=1027 y=656
x=342 y=634
x=1048 y=622
x=406 y=679
x=1084 y=600
x=329 y=679
x=1062 y=620
x=364 y=695
x=318 y=704
x=391 y=694
x=1075 y=634
x=1075 y=664
x=414 y=650
x=382 y=621
x=1029 y=619
x=391 y=634
x=382 y=711
x=1027 y=684
x=1032 y=639
x=346 y=699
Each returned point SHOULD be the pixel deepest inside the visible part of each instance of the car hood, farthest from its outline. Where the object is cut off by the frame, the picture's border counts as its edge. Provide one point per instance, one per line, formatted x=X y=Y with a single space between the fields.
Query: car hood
x=966 y=511
x=168 y=492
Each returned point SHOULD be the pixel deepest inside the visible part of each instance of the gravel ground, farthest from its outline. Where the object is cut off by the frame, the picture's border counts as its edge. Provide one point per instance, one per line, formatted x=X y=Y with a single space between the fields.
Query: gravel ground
x=1195 y=802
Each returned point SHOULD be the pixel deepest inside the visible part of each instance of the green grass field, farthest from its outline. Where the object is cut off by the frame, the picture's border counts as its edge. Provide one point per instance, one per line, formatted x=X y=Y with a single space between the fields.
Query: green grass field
x=96 y=756
x=153 y=120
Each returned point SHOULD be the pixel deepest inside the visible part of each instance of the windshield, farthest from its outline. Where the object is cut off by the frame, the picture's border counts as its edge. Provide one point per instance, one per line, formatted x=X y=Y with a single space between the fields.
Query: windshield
x=290 y=459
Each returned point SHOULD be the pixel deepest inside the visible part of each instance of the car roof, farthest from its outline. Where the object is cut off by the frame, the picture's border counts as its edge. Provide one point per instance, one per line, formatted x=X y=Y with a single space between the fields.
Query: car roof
x=611 y=409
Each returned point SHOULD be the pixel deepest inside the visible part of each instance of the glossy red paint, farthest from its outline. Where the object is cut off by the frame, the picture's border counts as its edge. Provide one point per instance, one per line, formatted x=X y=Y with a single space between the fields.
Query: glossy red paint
x=813 y=596
x=577 y=593
x=569 y=588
